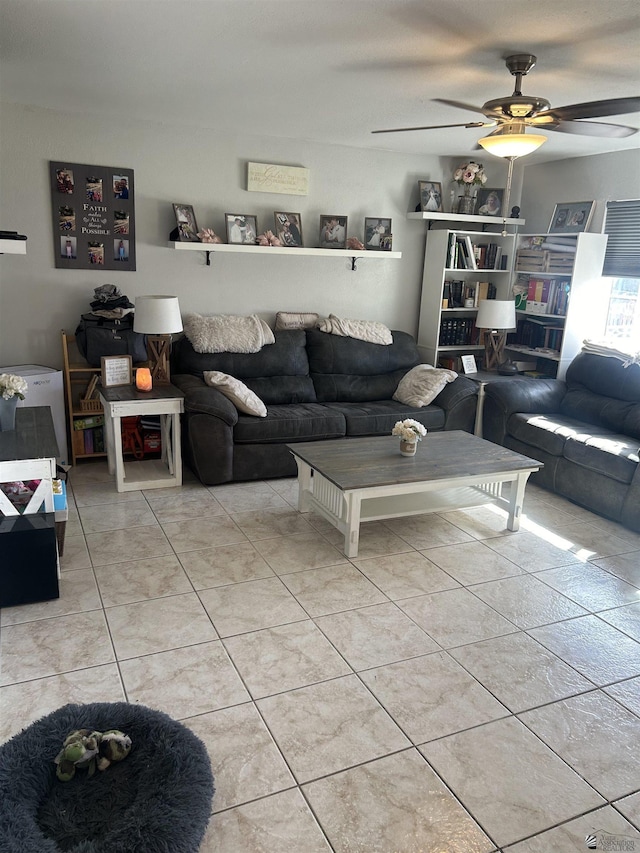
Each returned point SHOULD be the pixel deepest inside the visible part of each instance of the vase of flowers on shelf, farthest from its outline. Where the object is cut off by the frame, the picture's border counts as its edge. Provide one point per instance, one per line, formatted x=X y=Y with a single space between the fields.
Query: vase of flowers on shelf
x=410 y=433
x=468 y=176
x=12 y=389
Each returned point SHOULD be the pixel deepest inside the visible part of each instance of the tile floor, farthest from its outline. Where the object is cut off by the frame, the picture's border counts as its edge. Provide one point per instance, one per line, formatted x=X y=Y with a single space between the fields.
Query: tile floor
x=456 y=688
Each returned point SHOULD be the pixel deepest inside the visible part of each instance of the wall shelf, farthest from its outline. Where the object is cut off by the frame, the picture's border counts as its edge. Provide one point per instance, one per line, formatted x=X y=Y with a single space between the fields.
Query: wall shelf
x=13 y=247
x=208 y=248
x=464 y=217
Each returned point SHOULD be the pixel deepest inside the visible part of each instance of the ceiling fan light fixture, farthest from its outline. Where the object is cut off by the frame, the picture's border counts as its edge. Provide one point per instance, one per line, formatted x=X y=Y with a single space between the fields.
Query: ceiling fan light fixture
x=502 y=143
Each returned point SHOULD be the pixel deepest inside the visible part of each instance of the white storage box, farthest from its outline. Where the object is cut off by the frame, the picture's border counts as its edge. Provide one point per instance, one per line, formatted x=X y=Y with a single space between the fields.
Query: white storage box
x=45 y=389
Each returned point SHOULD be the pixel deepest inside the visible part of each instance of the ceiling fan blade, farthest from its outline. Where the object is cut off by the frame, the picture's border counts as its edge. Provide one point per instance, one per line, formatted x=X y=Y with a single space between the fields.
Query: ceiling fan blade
x=597 y=109
x=459 y=104
x=591 y=128
x=436 y=127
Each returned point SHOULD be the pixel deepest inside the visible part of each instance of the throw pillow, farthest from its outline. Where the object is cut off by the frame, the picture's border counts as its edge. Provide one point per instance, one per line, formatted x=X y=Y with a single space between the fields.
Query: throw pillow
x=295 y=320
x=422 y=384
x=242 y=397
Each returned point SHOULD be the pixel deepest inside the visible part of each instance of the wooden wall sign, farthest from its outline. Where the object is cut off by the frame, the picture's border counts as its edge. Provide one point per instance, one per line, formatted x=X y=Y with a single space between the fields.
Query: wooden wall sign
x=93 y=217
x=269 y=178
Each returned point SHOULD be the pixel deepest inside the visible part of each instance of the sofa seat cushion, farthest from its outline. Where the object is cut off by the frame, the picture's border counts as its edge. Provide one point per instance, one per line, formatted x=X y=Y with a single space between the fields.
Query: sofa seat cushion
x=615 y=456
x=295 y=422
x=549 y=432
x=379 y=416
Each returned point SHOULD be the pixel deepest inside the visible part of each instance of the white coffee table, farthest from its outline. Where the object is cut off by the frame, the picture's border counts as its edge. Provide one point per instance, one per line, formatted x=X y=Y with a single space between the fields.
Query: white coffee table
x=348 y=481
x=126 y=401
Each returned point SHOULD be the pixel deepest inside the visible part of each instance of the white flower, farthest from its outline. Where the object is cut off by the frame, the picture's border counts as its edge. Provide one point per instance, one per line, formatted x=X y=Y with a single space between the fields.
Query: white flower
x=470 y=173
x=409 y=430
x=12 y=385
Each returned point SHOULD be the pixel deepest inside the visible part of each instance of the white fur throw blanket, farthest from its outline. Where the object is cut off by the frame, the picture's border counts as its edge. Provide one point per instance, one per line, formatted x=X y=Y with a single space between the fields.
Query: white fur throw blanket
x=363 y=330
x=227 y=333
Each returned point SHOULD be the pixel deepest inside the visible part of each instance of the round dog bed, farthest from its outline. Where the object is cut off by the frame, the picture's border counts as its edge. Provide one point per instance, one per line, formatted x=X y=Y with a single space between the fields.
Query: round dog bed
x=157 y=800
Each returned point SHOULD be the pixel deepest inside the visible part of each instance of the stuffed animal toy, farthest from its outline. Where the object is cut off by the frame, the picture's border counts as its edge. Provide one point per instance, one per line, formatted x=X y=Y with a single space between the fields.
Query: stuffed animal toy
x=85 y=750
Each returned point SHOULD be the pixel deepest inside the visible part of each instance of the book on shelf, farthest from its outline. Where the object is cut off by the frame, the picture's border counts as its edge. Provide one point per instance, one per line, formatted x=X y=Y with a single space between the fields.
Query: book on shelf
x=89 y=421
x=545 y=296
x=457 y=331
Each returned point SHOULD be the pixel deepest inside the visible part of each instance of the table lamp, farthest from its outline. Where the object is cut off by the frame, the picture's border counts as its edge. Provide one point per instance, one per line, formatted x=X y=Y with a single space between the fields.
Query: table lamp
x=496 y=317
x=158 y=317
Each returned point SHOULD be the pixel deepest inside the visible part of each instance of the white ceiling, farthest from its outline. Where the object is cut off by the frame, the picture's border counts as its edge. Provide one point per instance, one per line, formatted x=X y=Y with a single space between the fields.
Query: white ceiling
x=324 y=70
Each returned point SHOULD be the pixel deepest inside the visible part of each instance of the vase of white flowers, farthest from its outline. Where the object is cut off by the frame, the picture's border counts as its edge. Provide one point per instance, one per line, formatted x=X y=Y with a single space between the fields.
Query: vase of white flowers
x=468 y=176
x=12 y=389
x=410 y=433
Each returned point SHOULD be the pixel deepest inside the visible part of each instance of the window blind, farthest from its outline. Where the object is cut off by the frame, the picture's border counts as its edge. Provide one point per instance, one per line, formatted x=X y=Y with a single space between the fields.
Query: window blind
x=622 y=224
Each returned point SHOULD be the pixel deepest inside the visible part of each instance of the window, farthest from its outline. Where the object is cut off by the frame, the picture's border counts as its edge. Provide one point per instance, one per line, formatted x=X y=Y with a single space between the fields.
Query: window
x=622 y=266
x=623 y=320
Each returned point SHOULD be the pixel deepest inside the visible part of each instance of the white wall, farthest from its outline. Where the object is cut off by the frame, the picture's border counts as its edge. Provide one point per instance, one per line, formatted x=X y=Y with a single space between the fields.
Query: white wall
x=601 y=177
x=207 y=170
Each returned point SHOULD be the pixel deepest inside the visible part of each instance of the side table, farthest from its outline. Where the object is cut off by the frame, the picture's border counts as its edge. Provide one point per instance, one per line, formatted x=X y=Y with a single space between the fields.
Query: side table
x=482 y=379
x=126 y=401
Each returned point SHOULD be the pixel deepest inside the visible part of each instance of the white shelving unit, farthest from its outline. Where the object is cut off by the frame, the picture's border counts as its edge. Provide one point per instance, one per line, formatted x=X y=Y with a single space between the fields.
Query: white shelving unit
x=210 y=248
x=437 y=271
x=588 y=297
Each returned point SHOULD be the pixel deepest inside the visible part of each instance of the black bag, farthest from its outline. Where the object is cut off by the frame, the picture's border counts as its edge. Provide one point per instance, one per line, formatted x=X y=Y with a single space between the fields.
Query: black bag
x=97 y=336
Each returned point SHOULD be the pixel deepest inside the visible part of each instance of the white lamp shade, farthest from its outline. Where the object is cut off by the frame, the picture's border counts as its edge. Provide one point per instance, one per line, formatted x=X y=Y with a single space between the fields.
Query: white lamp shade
x=512 y=144
x=496 y=314
x=157 y=315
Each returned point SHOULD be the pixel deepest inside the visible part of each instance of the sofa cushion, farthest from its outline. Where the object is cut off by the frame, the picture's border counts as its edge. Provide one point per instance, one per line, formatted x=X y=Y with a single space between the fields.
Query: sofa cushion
x=349 y=370
x=379 y=417
x=615 y=456
x=233 y=389
x=549 y=432
x=279 y=373
x=299 y=422
x=422 y=384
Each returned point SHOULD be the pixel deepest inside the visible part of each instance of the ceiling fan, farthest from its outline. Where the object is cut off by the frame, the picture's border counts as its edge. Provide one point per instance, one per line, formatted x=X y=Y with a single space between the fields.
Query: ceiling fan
x=514 y=113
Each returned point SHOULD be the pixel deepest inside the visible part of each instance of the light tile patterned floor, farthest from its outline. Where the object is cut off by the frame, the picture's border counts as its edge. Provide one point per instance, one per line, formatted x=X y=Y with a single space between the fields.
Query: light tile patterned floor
x=456 y=687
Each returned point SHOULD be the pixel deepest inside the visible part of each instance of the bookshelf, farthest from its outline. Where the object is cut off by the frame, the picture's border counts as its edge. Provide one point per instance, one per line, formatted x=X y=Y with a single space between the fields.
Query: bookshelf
x=85 y=417
x=452 y=287
x=560 y=298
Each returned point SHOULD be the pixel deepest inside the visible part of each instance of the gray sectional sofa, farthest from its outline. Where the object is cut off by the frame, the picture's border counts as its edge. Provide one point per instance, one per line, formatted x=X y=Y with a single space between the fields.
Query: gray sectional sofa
x=315 y=386
x=586 y=430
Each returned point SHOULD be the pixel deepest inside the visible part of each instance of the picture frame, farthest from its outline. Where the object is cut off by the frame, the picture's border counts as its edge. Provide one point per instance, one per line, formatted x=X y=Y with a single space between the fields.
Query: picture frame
x=571 y=217
x=375 y=228
x=91 y=206
x=242 y=228
x=288 y=229
x=116 y=370
x=469 y=363
x=333 y=231
x=430 y=196
x=490 y=201
x=186 y=230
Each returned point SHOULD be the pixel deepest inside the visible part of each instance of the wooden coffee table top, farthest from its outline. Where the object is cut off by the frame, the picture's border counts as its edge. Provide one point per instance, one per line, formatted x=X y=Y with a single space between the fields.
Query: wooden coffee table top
x=360 y=463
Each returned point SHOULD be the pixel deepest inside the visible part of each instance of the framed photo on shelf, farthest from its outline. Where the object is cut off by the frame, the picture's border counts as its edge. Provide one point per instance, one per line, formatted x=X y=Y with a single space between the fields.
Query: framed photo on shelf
x=469 y=363
x=571 y=217
x=333 y=232
x=375 y=228
x=490 y=201
x=186 y=230
x=116 y=370
x=241 y=228
x=430 y=196
x=288 y=228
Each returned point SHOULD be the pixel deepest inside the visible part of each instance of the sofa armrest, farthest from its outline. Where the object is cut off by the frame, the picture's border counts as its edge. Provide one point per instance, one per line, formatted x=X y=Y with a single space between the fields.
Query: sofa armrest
x=503 y=399
x=458 y=400
x=202 y=399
